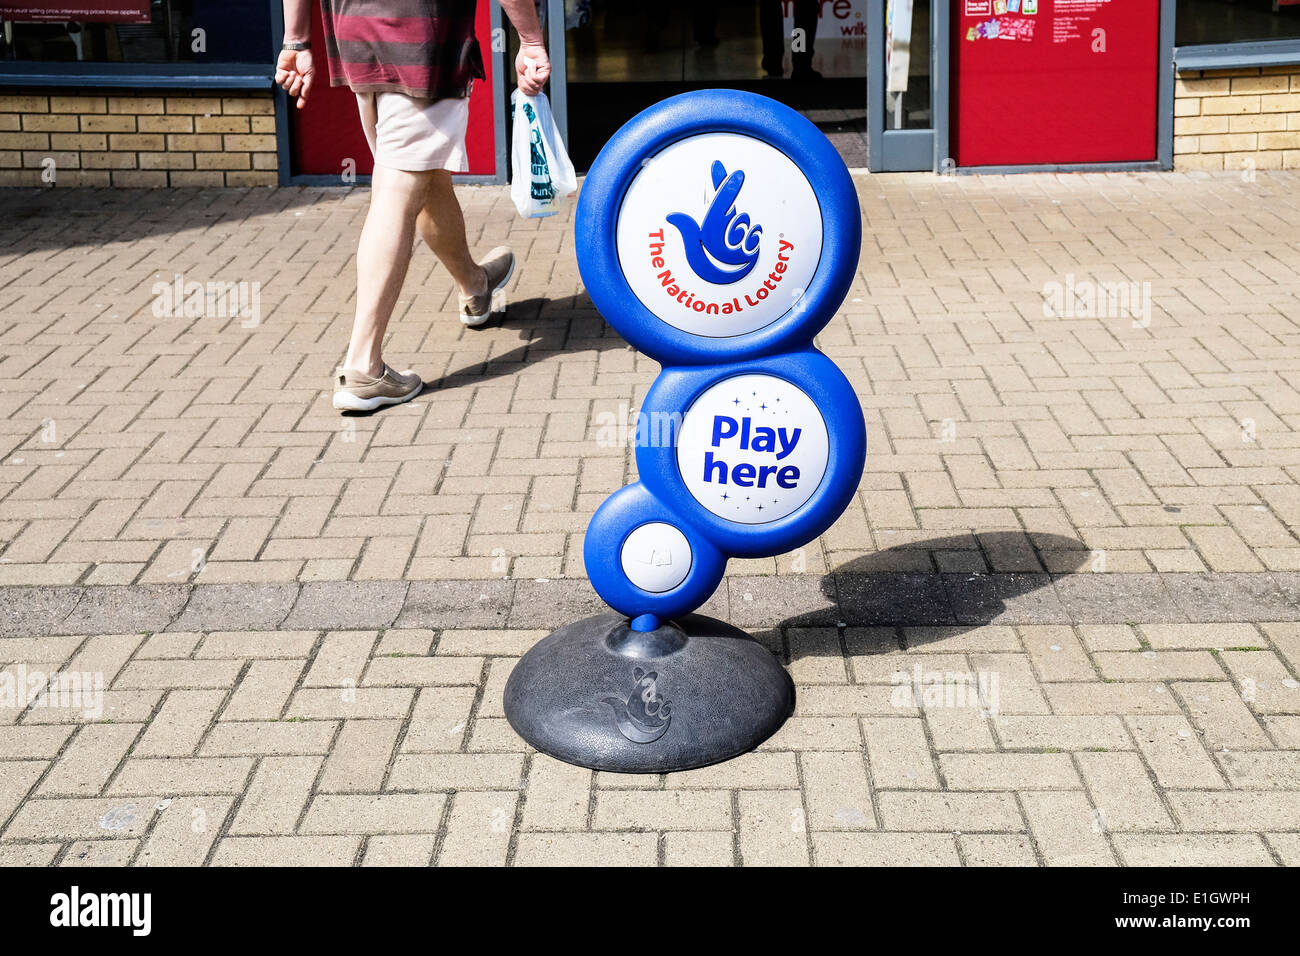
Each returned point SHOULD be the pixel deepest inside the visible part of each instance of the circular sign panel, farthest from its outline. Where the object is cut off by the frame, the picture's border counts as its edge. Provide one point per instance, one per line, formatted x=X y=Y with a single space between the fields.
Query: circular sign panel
x=753 y=449
x=719 y=234
x=656 y=557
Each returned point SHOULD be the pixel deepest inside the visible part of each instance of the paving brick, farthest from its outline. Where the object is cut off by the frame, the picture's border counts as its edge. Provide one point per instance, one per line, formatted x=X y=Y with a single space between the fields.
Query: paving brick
x=185 y=831
x=16 y=783
x=170 y=775
x=257 y=644
x=996 y=849
x=1007 y=771
x=359 y=757
x=886 y=849
x=276 y=796
x=99 y=853
x=264 y=690
x=1262 y=770
x=662 y=810
x=1265 y=683
x=698 y=849
x=1057 y=654
x=456 y=772
x=1224 y=721
x=255 y=737
x=348 y=702
x=479 y=829
x=374 y=813
x=177 y=729
x=837 y=791
x=753 y=771
x=1286 y=846
x=772 y=828
x=399 y=850
x=959 y=728
x=75 y=818
x=1192 y=849
x=1111 y=698
x=1062 y=733
x=182 y=674
x=587 y=849
x=964 y=812
x=1158 y=665
x=898 y=753
x=1173 y=749
x=89 y=760
x=32 y=741
x=287 y=851
x=1067 y=829
x=1123 y=792
x=558 y=796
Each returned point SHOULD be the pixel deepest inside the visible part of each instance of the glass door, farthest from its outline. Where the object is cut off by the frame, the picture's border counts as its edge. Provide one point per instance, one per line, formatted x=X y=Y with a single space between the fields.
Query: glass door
x=907 y=84
x=620 y=57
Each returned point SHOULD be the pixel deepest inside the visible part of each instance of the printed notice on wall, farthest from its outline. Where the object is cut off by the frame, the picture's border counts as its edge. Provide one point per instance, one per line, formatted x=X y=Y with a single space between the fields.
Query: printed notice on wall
x=1007 y=20
x=1074 y=19
x=88 y=11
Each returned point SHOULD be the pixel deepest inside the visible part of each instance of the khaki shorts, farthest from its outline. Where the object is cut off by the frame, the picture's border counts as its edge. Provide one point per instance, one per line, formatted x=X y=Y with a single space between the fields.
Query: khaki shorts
x=414 y=134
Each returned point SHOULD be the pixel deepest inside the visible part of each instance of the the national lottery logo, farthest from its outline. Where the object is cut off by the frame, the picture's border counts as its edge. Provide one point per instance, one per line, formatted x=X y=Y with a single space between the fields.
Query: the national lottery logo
x=724 y=247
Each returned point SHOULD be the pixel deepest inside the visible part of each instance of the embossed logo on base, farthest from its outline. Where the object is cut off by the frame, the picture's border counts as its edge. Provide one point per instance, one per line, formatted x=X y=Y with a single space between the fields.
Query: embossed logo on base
x=644 y=716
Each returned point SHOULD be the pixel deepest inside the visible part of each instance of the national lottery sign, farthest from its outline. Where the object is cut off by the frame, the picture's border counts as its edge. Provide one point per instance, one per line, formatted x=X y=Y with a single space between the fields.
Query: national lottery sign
x=718 y=232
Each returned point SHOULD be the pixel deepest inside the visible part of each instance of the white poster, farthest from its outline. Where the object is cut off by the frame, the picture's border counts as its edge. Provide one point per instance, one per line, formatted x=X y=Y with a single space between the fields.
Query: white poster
x=898 y=44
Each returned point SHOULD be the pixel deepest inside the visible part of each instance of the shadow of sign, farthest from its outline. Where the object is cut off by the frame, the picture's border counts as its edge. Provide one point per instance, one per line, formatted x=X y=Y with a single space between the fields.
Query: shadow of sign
x=872 y=591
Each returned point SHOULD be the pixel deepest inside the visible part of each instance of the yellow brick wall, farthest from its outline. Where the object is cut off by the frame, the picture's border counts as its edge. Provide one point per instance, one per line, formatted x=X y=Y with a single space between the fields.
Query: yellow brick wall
x=1237 y=119
x=137 y=139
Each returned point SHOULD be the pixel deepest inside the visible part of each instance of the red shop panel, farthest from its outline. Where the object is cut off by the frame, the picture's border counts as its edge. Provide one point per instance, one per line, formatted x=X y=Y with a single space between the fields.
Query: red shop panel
x=327 y=132
x=1055 y=81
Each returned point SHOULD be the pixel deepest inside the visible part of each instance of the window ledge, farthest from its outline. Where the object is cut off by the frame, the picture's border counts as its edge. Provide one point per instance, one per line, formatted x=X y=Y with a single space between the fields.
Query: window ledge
x=174 y=76
x=1228 y=56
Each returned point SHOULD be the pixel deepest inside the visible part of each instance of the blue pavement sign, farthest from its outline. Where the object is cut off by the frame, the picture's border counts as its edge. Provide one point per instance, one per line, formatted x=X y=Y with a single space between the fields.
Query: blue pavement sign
x=718 y=232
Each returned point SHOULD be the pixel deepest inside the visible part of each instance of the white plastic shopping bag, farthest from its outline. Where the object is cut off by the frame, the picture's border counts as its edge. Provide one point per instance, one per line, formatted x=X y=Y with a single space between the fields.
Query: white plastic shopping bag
x=543 y=174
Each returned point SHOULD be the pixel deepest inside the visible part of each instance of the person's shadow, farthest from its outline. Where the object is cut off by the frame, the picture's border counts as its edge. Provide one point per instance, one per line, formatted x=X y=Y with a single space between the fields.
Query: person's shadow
x=944 y=586
x=546 y=327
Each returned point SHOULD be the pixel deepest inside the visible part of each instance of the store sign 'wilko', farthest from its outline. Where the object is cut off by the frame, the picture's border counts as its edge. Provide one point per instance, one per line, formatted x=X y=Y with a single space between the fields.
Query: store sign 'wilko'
x=718 y=232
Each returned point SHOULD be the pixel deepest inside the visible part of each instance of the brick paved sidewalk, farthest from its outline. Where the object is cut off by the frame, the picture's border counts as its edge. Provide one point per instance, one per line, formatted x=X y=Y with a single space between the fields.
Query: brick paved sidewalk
x=302 y=622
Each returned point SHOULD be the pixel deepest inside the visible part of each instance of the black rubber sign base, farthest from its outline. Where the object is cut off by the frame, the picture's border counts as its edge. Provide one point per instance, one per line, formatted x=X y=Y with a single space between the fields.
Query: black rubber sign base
x=692 y=692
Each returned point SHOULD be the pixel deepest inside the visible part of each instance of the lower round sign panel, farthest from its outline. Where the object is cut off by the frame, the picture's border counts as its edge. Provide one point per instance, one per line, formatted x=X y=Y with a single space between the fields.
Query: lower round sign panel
x=753 y=449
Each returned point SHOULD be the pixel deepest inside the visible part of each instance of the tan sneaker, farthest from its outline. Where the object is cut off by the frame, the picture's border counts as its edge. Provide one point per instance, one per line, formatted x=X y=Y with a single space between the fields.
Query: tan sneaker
x=499 y=266
x=357 y=392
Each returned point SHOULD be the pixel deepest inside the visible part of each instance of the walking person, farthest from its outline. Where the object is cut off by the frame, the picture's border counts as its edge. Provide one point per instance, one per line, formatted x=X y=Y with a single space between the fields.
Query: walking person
x=411 y=64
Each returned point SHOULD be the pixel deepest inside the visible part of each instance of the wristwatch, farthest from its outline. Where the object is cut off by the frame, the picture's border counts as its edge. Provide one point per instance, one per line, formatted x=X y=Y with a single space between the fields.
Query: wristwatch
x=295 y=47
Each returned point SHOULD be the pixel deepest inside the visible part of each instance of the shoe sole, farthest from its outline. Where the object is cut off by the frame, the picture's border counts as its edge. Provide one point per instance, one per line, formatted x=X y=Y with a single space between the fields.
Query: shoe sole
x=347 y=402
x=476 y=320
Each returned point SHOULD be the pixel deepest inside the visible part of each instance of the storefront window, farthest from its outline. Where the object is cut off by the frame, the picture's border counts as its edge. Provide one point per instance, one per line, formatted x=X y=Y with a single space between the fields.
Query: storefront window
x=1234 y=21
x=623 y=56
x=136 y=31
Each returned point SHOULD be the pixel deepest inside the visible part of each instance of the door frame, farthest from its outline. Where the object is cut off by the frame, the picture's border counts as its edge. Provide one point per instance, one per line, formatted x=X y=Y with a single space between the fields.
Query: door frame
x=908 y=150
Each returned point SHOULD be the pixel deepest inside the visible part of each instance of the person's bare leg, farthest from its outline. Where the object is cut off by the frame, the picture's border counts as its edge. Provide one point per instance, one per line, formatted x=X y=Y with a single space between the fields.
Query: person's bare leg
x=442 y=226
x=383 y=256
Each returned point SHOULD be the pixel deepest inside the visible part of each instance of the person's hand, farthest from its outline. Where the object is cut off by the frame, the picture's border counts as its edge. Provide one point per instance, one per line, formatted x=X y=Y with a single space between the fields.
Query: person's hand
x=533 y=68
x=295 y=71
